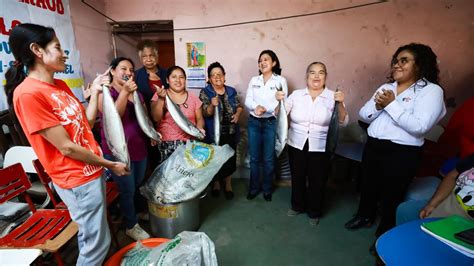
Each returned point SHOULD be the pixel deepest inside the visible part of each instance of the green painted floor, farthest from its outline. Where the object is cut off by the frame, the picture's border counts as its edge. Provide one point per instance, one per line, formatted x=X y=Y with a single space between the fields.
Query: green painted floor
x=258 y=232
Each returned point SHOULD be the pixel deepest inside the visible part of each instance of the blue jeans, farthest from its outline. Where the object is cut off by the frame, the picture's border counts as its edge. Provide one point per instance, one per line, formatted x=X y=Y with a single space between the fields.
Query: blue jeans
x=409 y=210
x=86 y=205
x=418 y=195
x=128 y=185
x=261 y=140
x=422 y=188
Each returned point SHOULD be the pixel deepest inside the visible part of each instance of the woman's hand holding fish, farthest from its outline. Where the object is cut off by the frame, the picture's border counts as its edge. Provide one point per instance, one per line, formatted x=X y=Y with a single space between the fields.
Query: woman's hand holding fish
x=119 y=168
x=202 y=131
x=339 y=96
x=99 y=81
x=215 y=101
x=96 y=87
x=279 y=95
x=130 y=86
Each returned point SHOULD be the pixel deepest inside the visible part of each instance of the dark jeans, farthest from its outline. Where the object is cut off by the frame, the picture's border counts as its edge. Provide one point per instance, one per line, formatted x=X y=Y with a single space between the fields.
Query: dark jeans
x=261 y=141
x=388 y=169
x=128 y=187
x=308 y=168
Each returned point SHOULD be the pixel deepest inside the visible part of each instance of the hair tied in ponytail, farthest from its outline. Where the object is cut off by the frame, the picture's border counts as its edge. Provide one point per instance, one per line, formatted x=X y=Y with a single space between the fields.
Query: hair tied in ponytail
x=17 y=64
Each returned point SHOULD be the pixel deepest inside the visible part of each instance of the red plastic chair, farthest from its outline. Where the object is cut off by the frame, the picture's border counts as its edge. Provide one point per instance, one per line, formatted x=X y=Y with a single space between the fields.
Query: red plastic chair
x=111 y=194
x=47 y=230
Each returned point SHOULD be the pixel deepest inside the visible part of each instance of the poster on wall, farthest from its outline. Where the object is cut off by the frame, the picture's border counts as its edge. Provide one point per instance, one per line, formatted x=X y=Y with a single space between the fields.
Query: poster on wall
x=55 y=14
x=196 y=62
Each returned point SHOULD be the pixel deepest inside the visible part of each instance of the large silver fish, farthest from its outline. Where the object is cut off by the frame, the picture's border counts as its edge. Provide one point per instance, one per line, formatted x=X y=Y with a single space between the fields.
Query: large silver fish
x=282 y=128
x=143 y=120
x=181 y=120
x=217 y=125
x=113 y=128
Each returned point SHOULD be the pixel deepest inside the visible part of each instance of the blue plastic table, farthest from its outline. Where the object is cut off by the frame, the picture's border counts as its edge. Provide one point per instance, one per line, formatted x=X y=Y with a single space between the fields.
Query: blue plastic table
x=407 y=244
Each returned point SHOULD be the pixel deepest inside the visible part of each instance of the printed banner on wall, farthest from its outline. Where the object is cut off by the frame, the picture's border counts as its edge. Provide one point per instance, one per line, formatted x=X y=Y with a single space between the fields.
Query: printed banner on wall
x=196 y=55
x=52 y=13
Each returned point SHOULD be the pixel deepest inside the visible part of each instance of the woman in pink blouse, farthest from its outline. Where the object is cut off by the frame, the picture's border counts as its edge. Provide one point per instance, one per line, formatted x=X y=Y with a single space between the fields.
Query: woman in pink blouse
x=171 y=134
x=310 y=111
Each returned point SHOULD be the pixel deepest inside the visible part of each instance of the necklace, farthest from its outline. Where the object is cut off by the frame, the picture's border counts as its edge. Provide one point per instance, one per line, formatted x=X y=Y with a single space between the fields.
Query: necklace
x=185 y=100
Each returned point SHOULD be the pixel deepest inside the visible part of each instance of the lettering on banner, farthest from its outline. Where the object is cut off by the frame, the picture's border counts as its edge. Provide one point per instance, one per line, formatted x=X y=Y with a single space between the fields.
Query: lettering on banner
x=3 y=28
x=4 y=65
x=51 y=5
x=69 y=69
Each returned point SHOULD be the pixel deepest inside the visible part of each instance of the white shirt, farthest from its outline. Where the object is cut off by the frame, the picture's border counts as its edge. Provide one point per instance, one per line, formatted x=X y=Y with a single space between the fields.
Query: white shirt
x=407 y=118
x=262 y=94
x=309 y=120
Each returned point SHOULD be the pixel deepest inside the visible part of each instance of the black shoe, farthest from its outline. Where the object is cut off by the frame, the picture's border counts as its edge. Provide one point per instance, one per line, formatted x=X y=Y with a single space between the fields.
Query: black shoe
x=229 y=194
x=267 y=197
x=358 y=222
x=251 y=196
x=215 y=193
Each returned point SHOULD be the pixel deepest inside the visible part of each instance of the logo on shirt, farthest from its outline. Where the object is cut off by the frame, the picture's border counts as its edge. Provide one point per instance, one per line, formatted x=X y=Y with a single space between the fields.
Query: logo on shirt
x=255 y=86
x=406 y=99
x=70 y=114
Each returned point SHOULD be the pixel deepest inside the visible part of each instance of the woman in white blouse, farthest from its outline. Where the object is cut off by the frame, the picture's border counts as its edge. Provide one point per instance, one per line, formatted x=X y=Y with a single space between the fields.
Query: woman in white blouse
x=261 y=103
x=400 y=113
x=310 y=111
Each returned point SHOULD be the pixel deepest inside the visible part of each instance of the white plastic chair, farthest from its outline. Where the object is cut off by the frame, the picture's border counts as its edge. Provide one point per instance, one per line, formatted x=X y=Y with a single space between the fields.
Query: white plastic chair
x=25 y=155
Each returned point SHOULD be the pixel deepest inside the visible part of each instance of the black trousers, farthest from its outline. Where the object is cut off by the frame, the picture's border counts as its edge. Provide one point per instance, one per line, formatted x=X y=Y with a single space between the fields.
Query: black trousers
x=229 y=167
x=309 y=172
x=387 y=170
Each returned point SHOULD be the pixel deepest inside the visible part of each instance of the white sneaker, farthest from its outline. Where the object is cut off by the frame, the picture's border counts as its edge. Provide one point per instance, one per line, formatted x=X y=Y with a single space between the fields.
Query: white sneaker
x=137 y=233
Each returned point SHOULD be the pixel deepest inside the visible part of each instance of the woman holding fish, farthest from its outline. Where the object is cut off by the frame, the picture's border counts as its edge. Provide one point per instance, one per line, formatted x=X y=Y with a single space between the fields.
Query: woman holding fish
x=122 y=89
x=221 y=109
x=261 y=103
x=177 y=113
x=58 y=128
x=310 y=111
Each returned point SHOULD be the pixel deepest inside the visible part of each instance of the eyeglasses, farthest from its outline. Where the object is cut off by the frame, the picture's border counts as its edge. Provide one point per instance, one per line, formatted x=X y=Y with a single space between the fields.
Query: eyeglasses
x=402 y=61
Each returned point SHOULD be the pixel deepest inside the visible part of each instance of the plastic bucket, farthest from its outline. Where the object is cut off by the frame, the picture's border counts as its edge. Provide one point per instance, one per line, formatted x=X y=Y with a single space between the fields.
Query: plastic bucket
x=168 y=220
x=117 y=257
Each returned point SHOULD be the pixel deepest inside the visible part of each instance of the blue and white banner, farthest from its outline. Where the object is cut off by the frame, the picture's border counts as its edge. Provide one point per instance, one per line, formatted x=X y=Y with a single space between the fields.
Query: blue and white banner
x=51 y=13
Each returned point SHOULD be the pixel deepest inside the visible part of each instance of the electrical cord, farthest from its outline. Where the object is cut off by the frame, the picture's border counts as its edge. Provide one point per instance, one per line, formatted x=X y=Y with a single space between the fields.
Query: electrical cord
x=251 y=21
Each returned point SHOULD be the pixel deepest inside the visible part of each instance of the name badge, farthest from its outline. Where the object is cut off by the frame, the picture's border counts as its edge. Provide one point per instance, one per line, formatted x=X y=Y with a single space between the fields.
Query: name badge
x=255 y=86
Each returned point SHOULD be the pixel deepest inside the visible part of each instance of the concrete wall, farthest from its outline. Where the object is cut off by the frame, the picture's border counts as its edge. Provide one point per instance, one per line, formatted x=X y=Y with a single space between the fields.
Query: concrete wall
x=355 y=43
x=93 y=37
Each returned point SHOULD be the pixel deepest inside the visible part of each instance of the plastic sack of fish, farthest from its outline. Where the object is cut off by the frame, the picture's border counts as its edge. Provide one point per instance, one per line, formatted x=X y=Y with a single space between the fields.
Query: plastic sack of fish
x=187 y=248
x=186 y=173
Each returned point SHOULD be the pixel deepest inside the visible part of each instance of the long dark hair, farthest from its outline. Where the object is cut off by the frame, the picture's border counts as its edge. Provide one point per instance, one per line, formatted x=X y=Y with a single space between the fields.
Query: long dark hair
x=276 y=69
x=425 y=61
x=21 y=37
